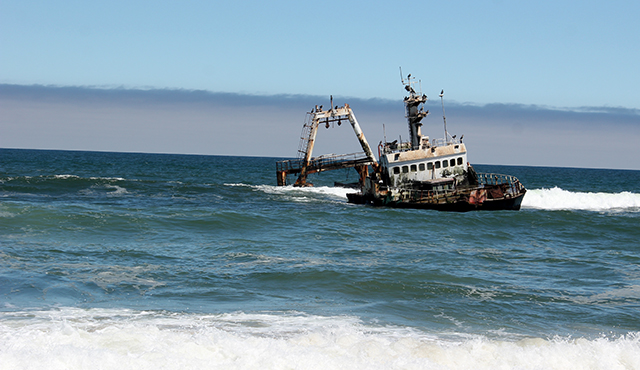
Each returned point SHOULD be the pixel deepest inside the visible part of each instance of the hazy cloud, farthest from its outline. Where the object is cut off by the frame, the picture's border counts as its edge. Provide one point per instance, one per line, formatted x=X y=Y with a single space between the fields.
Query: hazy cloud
x=204 y=122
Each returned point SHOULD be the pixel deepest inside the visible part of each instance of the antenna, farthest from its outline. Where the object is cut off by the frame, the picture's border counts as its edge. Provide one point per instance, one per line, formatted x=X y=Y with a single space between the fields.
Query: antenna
x=407 y=82
x=446 y=134
x=384 y=133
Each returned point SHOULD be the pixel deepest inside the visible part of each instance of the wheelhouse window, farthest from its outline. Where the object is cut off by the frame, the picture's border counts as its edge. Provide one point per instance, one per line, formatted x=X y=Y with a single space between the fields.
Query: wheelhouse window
x=430 y=166
x=414 y=168
x=396 y=170
x=437 y=164
x=421 y=166
x=452 y=162
x=459 y=161
x=445 y=163
x=405 y=169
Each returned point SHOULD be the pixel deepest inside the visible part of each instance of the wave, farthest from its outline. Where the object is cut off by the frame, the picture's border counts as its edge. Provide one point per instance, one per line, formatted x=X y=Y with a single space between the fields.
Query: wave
x=64 y=184
x=559 y=199
x=305 y=194
x=120 y=339
x=62 y=177
x=109 y=190
x=66 y=177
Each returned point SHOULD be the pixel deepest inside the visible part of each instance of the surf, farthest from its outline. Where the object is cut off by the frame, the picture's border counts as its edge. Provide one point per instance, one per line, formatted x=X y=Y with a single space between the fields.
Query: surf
x=559 y=199
x=73 y=338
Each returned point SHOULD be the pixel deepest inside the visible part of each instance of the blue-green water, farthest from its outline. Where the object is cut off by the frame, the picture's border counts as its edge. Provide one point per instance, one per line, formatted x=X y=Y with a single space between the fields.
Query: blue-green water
x=152 y=261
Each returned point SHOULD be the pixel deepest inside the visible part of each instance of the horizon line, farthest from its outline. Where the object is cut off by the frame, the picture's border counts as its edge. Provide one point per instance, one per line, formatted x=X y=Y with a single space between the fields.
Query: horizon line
x=286 y=158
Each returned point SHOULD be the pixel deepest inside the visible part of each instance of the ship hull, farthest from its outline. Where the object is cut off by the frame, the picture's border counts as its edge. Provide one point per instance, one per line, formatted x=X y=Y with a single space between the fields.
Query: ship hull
x=511 y=203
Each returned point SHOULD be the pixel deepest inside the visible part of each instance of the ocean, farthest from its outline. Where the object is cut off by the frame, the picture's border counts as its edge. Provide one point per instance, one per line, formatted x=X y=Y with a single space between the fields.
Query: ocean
x=158 y=261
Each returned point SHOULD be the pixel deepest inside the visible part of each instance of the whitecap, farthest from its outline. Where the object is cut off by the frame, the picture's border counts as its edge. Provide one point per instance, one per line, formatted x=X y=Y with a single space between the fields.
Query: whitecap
x=72 y=338
x=559 y=199
x=65 y=177
x=108 y=178
x=300 y=194
x=117 y=190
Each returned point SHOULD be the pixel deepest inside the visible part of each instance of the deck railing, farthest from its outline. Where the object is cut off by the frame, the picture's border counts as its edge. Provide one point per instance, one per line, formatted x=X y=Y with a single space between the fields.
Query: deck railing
x=325 y=161
x=444 y=142
x=514 y=185
x=404 y=146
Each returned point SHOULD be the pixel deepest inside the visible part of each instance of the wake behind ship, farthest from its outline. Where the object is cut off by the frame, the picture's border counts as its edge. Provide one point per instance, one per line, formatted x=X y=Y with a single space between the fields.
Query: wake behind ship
x=420 y=173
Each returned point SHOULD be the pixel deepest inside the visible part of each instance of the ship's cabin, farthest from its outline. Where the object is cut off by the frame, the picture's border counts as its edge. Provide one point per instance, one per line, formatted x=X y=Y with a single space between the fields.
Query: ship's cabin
x=431 y=161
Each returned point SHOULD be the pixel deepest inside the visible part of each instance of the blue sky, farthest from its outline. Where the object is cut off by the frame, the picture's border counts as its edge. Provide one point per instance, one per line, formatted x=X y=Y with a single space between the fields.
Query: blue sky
x=558 y=53
x=554 y=55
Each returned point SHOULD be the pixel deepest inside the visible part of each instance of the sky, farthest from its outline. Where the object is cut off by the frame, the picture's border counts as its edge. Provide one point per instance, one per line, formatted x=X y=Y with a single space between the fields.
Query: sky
x=551 y=83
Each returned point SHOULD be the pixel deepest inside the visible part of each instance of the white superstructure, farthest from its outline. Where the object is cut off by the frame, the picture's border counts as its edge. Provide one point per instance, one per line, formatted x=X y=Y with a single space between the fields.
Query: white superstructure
x=421 y=159
x=429 y=162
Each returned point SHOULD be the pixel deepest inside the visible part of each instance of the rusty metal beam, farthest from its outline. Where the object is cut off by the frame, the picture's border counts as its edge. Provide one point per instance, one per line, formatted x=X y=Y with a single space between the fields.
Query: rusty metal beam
x=328 y=116
x=321 y=164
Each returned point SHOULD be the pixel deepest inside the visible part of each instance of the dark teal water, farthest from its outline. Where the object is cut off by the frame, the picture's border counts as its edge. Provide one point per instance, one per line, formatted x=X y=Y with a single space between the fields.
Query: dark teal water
x=151 y=250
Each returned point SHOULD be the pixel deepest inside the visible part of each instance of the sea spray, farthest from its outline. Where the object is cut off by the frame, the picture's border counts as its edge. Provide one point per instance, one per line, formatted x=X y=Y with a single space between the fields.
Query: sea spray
x=558 y=199
x=69 y=338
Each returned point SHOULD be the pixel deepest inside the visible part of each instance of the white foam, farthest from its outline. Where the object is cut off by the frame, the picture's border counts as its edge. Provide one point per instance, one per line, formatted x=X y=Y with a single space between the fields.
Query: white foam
x=64 y=177
x=108 y=178
x=117 y=190
x=302 y=194
x=72 y=338
x=67 y=176
x=559 y=199
x=5 y=214
x=109 y=190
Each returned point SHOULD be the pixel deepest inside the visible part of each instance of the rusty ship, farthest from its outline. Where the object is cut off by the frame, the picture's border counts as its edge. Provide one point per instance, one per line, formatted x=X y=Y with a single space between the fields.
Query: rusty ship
x=419 y=173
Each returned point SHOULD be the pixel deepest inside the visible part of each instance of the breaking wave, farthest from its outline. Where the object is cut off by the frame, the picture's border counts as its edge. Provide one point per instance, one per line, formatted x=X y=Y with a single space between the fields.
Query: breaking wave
x=302 y=194
x=71 y=338
x=559 y=199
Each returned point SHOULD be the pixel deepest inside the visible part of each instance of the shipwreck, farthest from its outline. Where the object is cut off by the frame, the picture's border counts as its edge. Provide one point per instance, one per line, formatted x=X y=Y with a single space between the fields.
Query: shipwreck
x=419 y=173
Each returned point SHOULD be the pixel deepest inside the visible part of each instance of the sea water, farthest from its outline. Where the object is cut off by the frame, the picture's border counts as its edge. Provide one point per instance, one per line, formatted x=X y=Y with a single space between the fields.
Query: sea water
x=143 y=261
